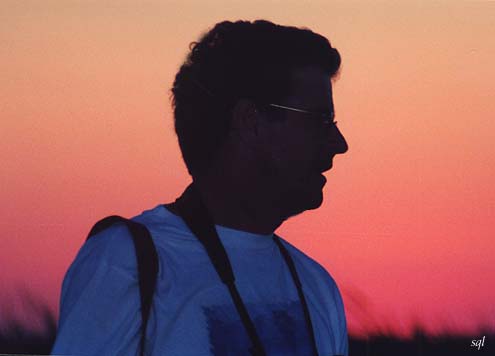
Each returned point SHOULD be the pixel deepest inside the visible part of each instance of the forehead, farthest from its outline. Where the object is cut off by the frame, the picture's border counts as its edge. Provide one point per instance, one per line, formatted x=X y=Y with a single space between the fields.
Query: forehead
x=311 y=87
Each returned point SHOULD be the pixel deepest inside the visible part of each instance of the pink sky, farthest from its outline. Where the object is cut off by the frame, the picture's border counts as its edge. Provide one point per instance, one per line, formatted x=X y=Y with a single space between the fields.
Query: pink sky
x=408 y=218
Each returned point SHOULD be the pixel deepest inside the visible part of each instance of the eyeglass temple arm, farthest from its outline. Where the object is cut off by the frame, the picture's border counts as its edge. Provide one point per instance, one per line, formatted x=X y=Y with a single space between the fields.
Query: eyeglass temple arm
x=300 y=110
x=288 y=108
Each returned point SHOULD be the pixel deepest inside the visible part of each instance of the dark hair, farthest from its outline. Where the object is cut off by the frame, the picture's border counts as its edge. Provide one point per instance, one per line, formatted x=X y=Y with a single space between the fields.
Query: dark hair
x=236 y=60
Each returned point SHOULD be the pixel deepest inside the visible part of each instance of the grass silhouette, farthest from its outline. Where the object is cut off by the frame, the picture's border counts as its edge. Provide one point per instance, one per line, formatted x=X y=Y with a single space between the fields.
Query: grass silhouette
x=17 y=337
x=421 y=344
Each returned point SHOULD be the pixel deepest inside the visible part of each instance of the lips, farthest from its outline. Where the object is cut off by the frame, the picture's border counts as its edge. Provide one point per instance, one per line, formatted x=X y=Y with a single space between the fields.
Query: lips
x=325 y=163
x=326 y=167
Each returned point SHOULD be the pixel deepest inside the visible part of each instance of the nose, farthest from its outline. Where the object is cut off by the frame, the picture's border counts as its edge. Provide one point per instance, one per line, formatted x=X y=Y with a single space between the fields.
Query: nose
x=335 y=142
x=341 y=144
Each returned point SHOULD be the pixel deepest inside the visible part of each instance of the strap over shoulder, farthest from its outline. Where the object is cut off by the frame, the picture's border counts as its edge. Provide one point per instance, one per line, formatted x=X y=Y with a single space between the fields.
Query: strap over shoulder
x=147 y=262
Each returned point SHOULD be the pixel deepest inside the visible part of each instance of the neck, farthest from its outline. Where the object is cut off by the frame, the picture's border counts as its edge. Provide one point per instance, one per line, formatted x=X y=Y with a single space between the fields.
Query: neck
x=236 y=200
x=234 y=205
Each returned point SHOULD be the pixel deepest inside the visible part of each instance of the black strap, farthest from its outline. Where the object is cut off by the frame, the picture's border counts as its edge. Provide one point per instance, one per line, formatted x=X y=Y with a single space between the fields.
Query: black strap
x=196 y=217
x=147 y=262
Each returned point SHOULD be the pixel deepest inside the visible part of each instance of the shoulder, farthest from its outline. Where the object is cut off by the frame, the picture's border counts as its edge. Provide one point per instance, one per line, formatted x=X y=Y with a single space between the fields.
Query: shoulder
x=308 y=263
x=314 y=273
x=112 y=246
x=323 y=287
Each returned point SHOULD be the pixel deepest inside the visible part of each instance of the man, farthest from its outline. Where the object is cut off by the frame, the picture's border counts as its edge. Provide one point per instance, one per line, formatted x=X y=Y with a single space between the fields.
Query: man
x=254 y=117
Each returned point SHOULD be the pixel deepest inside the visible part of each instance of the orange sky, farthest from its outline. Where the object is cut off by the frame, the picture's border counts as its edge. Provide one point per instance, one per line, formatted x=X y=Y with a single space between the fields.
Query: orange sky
x=408 y=218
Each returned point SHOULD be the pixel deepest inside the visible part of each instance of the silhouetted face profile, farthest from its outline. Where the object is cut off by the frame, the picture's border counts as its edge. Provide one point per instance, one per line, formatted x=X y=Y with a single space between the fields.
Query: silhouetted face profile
x=301 y=147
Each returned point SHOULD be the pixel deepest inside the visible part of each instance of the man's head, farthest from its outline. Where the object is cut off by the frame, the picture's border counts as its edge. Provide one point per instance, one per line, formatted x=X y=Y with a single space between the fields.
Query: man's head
x=238 y=94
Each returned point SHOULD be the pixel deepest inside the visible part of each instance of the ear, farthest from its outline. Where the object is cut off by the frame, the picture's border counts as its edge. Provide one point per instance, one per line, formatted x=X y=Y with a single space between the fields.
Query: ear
x=245 y=118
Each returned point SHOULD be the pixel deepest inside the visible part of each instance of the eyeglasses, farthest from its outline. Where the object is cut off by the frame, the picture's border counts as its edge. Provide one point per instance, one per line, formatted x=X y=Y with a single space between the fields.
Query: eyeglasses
x=327 y=117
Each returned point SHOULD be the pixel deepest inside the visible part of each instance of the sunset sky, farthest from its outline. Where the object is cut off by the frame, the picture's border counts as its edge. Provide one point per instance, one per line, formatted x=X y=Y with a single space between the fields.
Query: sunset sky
x=407 y=227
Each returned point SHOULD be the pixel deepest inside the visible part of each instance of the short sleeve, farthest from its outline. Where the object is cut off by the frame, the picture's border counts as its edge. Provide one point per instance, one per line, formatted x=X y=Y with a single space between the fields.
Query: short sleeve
x=99 y=306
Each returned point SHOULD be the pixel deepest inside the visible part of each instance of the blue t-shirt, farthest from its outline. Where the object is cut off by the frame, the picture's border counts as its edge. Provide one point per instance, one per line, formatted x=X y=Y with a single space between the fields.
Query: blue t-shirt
x=193 y=313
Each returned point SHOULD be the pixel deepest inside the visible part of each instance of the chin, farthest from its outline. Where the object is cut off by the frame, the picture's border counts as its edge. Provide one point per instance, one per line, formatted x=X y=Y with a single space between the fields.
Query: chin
x=316 y=202
x=311 y=202
x=305 y=197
